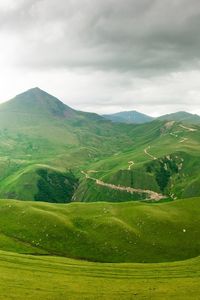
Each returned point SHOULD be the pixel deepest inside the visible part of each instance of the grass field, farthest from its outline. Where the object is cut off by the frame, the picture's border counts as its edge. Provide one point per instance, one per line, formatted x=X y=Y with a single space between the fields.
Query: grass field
x=25 y=277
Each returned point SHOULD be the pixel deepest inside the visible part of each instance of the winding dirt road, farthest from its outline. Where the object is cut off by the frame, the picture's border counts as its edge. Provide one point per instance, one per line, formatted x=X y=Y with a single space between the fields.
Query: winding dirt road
x=188 y=128
x=183 y=140
x=130 y=164
x=147 y=153
x=151 y=195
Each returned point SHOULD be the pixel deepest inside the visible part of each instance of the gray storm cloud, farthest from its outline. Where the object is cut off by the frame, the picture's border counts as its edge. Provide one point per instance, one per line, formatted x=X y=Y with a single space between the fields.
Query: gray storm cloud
x=124 y=54
x=139 y=36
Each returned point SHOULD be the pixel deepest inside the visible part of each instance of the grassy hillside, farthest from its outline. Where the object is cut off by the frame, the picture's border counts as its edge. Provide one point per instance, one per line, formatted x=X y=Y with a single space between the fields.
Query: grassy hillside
x=30 y=277
x=104 y=232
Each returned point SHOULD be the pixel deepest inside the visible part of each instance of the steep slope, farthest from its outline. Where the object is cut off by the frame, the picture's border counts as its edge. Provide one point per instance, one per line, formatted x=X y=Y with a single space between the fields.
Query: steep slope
x=134 y=117
x=182 y=116
x=122 y=232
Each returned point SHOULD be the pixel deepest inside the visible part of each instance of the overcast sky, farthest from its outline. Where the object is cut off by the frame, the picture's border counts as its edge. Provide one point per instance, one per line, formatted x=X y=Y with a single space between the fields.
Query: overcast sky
x=103 y=55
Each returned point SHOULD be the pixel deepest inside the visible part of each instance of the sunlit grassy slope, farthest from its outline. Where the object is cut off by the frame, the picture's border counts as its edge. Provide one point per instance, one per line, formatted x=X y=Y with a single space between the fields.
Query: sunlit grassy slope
x=25 y=277
x=121 y=232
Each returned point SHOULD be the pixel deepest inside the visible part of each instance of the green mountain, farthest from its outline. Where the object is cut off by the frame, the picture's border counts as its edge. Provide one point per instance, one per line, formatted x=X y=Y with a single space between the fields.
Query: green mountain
x=36 y=101
x=51 y=152
x=182 y=116
x=129 y=117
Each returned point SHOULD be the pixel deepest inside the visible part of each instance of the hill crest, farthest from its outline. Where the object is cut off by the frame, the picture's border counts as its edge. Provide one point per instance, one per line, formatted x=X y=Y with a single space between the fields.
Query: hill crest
x=181 y=116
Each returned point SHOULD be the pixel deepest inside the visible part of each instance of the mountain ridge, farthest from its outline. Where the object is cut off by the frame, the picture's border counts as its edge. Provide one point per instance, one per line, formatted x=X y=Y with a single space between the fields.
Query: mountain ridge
x=36 y=100
x=135 y=117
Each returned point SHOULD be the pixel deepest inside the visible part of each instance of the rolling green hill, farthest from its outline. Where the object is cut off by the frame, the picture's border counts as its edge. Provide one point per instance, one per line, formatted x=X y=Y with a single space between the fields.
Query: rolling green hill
x=103 y=232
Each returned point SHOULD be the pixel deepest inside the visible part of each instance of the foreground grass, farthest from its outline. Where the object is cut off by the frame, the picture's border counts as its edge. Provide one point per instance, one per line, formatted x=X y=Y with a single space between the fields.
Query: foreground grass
x=30 y=277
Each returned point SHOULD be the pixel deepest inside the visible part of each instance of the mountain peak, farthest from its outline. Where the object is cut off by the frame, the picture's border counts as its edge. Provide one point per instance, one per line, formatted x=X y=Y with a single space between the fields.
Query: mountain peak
x=37 y=101
x=35 y=90
x=36 y=93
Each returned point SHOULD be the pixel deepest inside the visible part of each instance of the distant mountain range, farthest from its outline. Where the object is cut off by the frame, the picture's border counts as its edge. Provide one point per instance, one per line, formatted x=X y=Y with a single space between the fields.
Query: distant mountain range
x=37 y=101
x=135 y=117
x=129 y=117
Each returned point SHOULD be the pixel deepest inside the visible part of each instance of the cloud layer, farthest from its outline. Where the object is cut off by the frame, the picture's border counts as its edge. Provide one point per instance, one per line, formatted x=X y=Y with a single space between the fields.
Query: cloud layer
x=124 y=54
